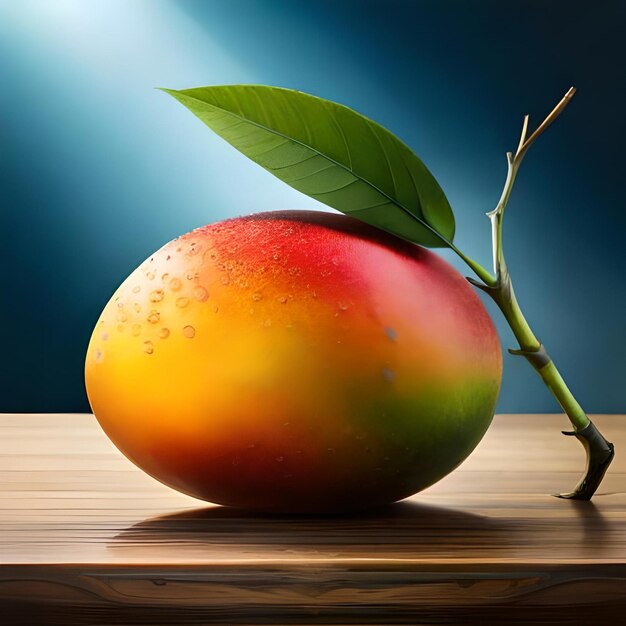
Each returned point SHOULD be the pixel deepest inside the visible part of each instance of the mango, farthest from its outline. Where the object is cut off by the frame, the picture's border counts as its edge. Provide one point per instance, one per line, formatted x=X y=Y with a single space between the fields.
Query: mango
x=294 y=362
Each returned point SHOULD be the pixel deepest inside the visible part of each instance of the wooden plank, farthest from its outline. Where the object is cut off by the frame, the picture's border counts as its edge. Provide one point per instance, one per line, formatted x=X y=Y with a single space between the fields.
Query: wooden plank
x=86 y=537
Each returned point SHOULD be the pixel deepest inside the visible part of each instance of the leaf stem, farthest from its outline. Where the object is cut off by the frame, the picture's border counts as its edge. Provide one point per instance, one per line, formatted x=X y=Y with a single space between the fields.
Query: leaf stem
x=599 y=451
x=479 y=270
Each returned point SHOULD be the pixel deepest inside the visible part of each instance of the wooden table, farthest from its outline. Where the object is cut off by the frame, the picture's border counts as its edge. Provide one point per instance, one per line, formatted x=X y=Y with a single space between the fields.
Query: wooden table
x=87 y=538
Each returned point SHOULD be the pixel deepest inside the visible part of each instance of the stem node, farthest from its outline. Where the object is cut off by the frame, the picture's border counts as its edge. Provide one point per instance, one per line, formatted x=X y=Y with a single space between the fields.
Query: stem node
x=478 y=284
x=537 y=358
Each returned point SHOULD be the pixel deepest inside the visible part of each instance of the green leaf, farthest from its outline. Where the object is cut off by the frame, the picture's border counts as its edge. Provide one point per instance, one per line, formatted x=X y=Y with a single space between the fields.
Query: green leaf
x=330 y=153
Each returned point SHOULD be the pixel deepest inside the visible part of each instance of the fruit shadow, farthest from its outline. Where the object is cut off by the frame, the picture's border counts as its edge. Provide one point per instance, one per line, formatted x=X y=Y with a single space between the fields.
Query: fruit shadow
x=402 y=529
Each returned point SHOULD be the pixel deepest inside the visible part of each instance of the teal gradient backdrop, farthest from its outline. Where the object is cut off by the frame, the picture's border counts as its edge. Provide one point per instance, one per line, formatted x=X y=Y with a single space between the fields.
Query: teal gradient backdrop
x=97 y=169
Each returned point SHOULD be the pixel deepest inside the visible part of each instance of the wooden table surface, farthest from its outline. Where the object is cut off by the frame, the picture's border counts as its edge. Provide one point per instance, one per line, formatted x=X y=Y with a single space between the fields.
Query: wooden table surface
x=87 y=538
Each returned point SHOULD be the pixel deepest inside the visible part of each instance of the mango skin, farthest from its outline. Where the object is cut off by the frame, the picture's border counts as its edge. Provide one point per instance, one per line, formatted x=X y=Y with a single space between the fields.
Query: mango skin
x=294 y=362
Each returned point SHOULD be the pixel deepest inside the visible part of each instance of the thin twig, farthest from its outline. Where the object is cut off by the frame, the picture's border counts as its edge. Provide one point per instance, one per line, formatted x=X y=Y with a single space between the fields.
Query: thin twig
x=522 y=139
x=558 y=109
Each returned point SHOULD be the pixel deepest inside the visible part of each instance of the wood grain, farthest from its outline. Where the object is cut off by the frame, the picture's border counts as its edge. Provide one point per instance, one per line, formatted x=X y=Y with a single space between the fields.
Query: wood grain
x=87 y=538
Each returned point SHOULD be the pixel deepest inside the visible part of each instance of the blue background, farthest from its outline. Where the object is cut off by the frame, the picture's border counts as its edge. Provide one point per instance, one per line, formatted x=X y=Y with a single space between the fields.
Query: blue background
x=97 y=169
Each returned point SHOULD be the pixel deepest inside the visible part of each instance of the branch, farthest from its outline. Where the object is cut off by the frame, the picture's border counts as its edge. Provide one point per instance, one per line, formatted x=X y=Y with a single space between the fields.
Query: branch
x=599 y=451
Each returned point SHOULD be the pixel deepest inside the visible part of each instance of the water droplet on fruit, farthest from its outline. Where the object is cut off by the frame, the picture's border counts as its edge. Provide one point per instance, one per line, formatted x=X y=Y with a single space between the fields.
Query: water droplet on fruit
x=391 y=333
x=120 y=328
x=164 y=333
x=280 y=459
x=148 y=348
x=267 y=323
x=121 y=317
x=136 y=289
x=331 y=450
x=343 y=306
x=150 y=275
x=175 y=284
x=156 y=295
x=189 y=332
x=282 y=299
x=154 y=316
x=225 y=280
x=137 y=308
x=181 y=303
x=200 y=293
x=192 y=275
x=136 y=329
x=275 y=257
x=236 y=462
x=256 y=296
x=388 y=374
x=165 y=277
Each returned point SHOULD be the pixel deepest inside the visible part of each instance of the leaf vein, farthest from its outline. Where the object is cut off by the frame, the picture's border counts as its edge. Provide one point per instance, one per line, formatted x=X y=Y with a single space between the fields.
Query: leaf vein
x=325 y=193
x=309 y=174
x=343 y=136
x=266 y=152
x=382 y=148
x=307 y=158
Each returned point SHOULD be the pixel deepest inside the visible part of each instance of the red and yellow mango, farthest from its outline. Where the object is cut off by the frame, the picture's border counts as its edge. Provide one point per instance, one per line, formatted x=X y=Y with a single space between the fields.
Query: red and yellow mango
x=294 y=361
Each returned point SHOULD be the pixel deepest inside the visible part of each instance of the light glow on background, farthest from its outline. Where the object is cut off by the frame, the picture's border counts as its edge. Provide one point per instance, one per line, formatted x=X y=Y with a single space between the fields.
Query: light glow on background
x=97 y=169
